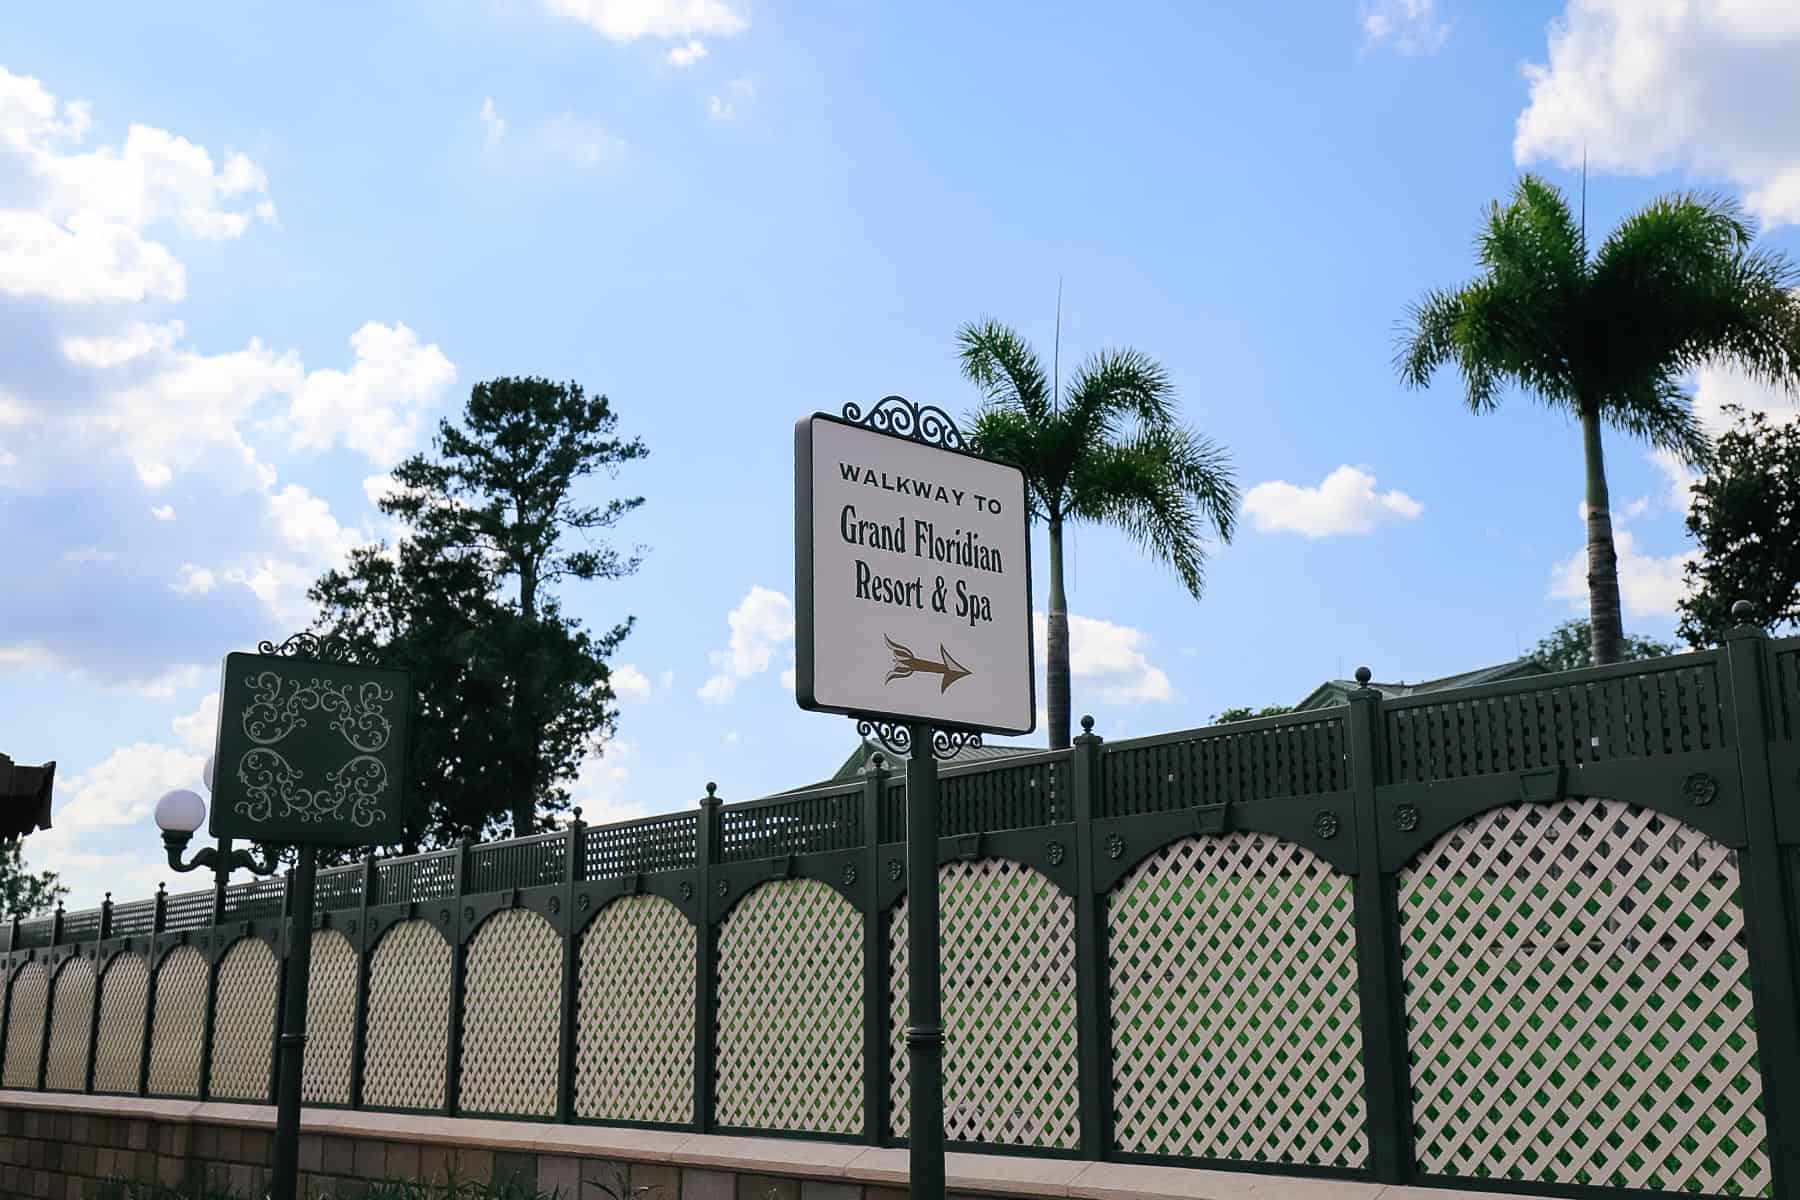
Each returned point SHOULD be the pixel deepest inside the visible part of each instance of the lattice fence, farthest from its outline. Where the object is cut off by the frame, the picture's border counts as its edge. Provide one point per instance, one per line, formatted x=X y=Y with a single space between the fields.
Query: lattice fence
x=634 y=1041
x=71 y=1021
x=1579 y=1002
x=791 y=1011
x=1008 y=960
x=119 y=1050
x=408 y=1050
x=1235 y=1021
x=243 y=1053
x=178 y=1023
x=330 y=1019
x=512 y=1016
x=25 y=1028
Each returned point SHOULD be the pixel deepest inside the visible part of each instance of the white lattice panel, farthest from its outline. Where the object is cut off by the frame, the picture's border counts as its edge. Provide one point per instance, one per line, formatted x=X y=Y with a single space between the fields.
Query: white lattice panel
x=634 y=1040
x=791 y=1011
x=119 y=1049
x=243 y=1051
x=1235 y=1019
x=406 y=1058
x=178 y=1023
x=330 y=1019
x=25 y=1029
x=71 y=1021
x=1007 y=952
x=1579 y=1005
x=512 y=1016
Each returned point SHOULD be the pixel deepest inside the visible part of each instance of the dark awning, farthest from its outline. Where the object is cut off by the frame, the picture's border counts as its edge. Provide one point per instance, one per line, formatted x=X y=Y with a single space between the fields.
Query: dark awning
x=24 y=798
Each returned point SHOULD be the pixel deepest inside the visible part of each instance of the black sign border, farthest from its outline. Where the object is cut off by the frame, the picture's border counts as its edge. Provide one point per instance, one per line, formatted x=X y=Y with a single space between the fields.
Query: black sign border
x=804 y=660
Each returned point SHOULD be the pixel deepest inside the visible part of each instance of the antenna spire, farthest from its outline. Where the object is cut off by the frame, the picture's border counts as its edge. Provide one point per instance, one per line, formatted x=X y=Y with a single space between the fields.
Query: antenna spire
x=1584 y=203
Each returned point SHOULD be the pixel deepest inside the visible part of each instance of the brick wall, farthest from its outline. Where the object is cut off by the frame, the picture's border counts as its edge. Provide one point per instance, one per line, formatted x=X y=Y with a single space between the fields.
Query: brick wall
x=71 y=1150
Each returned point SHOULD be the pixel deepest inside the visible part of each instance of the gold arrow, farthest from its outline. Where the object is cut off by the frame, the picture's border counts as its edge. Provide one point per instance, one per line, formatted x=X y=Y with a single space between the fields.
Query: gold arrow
x=907 y=663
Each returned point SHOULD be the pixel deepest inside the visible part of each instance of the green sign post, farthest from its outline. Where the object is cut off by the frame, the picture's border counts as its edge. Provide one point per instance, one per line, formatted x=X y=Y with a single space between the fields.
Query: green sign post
x=311 y=752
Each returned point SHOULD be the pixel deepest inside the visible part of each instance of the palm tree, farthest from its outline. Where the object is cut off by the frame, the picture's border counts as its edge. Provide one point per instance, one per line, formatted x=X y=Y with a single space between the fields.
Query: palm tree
x=1611 y=339
x=1107 y=450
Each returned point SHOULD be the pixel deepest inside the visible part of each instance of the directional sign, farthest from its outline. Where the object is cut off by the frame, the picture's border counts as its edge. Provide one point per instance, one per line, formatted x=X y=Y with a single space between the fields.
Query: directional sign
x=310 y=750
x=912 y=581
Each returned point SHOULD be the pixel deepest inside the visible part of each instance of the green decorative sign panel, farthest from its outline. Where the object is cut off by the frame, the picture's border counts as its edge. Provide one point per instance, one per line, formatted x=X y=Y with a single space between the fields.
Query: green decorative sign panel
x=312 y=747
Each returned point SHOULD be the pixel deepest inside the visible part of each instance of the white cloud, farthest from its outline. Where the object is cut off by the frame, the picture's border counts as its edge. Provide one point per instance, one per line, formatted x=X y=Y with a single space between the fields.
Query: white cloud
x=600 y=785
x=688 y=55
x=113 y=350
x=668 y=680
x=1109 y=660
x=492 y=121
x=198 y=730
x=166 y=683
x=1409 y=26
x=375 y=407
x=1645 y=86
x=1718 y=386
x=1649 y=585
x=628 y=20
x=761 y=625
x=562 y=140
x=721 y=110
x=73 y=229
x=163 y=512
x=1679 y=478
x=194 y=581
x=630 y=682
x=1345 y=502
x=78 y=555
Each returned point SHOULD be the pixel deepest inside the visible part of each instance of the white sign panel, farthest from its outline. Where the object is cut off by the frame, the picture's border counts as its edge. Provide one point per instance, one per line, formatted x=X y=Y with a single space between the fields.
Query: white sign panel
x=912 y=581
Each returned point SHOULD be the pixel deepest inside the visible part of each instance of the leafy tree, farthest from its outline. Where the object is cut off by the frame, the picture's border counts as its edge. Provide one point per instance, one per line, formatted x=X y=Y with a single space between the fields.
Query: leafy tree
x=1609 y=339
x=511 y=692
x=23 y=891
x=1569 y=647
x=1246 y=713
x=1746 y=517
x=1108 y=450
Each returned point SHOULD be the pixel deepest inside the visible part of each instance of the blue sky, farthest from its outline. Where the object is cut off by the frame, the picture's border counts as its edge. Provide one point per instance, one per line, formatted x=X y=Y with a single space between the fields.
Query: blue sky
x=248 y=256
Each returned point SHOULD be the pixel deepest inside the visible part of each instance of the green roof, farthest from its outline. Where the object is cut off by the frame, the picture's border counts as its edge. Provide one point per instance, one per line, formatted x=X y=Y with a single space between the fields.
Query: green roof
x=1337 y=691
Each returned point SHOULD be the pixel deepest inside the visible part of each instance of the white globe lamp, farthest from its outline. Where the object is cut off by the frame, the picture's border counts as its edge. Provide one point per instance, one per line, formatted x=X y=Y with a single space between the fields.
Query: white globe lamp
x=180 y=811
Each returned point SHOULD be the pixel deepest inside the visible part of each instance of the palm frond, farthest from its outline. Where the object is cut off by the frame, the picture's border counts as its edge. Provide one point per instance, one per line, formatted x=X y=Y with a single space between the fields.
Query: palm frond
x=1169 y=489
x=1534 y=238
x=1004 y=366
x=1009 y=435
x=1114 y=385
x=1660 y=411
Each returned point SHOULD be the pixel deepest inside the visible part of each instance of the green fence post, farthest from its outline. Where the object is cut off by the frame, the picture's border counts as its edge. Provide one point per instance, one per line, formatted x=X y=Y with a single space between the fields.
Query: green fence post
x=459 y=966
x=364 y=947
x=1093 y=1015
x=54 y=975
x=876 y=976
x=706 y=991
x=1768 y=911
x=157 y=924
x=565 y=1077
x=93 y=1040
x=1380 y=985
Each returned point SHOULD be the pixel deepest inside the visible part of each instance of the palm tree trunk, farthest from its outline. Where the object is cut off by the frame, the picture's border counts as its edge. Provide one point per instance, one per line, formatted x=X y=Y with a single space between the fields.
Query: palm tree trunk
x=1056 y=645
x=1603 y=560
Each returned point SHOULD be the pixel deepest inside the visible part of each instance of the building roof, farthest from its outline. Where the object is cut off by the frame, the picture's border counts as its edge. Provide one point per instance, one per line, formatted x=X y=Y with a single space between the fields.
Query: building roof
x=1337 y=691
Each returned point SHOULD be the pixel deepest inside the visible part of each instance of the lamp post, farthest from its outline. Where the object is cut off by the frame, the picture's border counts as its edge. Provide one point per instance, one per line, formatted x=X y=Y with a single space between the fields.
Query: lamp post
x=178 y=814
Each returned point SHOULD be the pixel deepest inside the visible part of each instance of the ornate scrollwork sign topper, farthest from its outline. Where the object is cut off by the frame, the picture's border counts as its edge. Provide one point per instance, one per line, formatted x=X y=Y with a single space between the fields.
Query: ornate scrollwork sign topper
x=312 y=746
